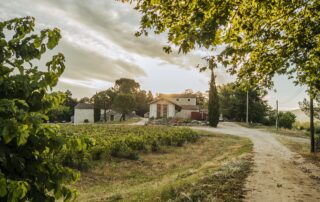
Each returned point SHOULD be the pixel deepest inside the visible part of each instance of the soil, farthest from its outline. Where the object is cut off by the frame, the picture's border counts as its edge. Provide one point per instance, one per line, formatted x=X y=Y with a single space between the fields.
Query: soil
x=279 y=174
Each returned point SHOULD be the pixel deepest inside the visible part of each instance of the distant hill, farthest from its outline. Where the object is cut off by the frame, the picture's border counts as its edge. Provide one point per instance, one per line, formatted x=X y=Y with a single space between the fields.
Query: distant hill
x=301 y=116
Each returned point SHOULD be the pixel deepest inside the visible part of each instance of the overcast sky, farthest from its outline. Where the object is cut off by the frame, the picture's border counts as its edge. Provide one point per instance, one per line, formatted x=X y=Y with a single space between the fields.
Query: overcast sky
x=100 y=47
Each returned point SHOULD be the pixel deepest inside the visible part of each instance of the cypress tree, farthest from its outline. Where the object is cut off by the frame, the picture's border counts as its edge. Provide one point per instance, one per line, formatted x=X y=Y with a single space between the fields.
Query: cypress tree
x=213 y=105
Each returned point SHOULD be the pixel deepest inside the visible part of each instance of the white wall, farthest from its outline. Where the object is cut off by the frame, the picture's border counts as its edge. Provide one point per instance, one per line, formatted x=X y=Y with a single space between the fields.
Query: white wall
x=184 y=101
x=153 y=111
x=81 y=114
x=171 y=110
x=185 y=114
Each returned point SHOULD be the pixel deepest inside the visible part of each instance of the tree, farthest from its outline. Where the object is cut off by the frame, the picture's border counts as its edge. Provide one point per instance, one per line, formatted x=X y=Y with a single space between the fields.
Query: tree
x=260 y=38
x=124 y=103
x=286 y=119
x=85 y=100
x=141 y=101
x=213 y=104
x=305 y=107
x=188 y=92
x=64 y=110
x=125 y=85
x=71 y=103
x=149 y=97
x=59 y=113
x=128 y=91
x=29 y=170
x=102 y=100
x=233 y=100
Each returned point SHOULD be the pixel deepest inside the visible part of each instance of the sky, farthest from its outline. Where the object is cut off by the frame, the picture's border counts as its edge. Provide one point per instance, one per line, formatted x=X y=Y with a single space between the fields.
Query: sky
x=100 y=47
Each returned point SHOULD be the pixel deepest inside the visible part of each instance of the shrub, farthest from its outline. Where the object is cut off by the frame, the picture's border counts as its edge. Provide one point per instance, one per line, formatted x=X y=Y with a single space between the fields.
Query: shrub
x=28 y=146
x=286 y=119
x=155 y=146
x=104 y=141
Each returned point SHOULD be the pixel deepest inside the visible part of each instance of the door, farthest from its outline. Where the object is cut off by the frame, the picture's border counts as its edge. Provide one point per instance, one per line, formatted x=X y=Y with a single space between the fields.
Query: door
x=158 y=110
x=165 y=110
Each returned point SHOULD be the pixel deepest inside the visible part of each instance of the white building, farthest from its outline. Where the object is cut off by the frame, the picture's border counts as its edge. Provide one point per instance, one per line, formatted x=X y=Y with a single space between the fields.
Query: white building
x=83 y=113
x=173 y=105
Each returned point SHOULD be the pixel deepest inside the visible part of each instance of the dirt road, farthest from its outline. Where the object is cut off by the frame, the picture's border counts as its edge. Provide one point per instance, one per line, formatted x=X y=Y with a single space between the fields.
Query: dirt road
x=140 y=123
x=279 y=174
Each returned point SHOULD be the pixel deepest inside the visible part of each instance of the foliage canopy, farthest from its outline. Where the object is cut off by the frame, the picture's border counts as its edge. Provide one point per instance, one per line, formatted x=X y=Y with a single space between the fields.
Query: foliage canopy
x=259 y=39
x=28 y=168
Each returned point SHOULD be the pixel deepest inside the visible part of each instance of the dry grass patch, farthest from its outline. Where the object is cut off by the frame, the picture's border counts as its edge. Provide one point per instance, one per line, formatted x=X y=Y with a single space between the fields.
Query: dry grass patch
x=302 y=148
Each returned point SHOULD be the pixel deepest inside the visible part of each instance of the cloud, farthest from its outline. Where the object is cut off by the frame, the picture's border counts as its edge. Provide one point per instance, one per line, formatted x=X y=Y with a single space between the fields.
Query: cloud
x=118 y=22
x=85 y=64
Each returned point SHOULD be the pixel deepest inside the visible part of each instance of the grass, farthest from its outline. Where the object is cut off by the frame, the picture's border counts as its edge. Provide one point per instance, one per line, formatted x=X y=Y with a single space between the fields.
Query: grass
x=280 y=131
x=302 y=148
x=214 y=167
x=288 y=138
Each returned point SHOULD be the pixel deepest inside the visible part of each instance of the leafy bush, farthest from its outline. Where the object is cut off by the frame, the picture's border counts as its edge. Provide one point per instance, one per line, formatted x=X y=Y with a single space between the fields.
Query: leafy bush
x=105 y=141
x=286 y=119
x=29 y=170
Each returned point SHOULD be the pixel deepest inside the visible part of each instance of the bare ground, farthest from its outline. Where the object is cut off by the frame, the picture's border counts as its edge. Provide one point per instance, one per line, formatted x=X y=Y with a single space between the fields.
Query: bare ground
x=279 y=174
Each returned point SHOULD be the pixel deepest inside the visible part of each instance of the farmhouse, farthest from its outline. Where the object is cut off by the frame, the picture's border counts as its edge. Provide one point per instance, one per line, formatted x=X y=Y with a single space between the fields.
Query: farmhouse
x=174 y=105
x=84 y=113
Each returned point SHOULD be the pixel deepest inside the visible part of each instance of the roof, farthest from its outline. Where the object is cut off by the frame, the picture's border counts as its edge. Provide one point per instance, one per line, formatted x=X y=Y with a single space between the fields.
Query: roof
x=178 y=107
x=178 y=95
x=189 y=107
x=84 y=106
x=111 y=112
x=157 y=100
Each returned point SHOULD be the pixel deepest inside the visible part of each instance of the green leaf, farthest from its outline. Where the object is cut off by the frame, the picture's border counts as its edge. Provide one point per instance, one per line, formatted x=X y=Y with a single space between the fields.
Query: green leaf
x=23 y=134
x=3 y=187
x=7 y=135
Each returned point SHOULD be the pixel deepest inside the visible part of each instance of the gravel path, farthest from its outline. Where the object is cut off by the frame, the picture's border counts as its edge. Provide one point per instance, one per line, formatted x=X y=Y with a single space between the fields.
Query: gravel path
x=140 y=123
x=279 y=174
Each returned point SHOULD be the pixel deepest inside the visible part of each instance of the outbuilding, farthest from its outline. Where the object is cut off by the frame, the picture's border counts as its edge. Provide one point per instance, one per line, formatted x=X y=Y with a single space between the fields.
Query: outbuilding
x=84 y=113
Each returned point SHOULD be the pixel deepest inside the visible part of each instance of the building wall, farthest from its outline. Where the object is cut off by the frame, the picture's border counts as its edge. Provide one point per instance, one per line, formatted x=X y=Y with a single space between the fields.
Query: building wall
x=184 y=101
x=185 y=114
x=153 y=109
x=171 y=110
x=82 y=114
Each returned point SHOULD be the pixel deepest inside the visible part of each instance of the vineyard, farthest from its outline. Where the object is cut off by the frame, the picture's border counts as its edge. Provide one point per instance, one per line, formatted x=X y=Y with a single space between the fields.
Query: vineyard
x=101 y=142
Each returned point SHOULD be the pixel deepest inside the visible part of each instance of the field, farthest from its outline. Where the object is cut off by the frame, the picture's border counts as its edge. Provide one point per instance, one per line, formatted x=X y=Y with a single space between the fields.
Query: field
x=148 y=163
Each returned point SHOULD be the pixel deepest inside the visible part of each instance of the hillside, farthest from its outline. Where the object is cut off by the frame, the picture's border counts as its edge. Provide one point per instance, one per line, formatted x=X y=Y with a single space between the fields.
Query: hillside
x=301 y=116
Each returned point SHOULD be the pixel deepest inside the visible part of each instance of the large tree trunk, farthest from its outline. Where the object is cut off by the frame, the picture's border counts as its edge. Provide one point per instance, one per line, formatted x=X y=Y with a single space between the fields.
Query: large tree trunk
x=123 y=117
x=312 y=142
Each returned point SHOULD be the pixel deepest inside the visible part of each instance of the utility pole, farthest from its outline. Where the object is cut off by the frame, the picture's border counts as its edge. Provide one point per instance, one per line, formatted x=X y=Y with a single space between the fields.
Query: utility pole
x=247 y=114
x=277 y=115
x=312 y=145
